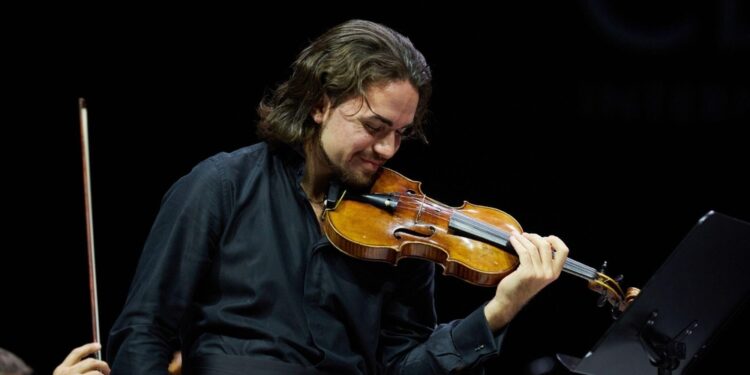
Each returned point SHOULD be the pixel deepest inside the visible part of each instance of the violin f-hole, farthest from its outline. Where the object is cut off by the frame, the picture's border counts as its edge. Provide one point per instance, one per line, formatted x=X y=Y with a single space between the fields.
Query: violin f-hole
x=424 y=231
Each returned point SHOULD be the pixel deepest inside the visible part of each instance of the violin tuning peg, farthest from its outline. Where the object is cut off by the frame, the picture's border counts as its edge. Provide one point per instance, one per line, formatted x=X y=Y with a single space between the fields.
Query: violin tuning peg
x=603 y=269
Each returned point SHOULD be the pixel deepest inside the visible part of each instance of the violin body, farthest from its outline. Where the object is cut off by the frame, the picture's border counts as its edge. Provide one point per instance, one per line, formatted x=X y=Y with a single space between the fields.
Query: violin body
x=420 y=227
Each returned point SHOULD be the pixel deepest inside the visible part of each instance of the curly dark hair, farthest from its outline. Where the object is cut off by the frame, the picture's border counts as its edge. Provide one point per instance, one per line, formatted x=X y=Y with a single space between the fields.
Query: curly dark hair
x=342 y=64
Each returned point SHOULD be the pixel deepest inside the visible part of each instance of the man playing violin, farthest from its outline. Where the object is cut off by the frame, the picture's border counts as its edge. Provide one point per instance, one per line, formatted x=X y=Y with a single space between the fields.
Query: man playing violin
x=236 y=263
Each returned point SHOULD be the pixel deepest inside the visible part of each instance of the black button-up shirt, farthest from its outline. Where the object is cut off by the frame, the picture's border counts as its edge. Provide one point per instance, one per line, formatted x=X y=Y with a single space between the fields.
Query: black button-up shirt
x=237 y=265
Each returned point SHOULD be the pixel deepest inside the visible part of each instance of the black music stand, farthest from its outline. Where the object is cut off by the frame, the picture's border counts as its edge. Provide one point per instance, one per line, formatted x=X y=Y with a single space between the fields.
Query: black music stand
x=698 y=287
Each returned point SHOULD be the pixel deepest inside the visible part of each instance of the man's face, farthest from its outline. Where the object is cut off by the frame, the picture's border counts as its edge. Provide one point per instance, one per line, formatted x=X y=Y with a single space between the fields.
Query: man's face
x=361 y=134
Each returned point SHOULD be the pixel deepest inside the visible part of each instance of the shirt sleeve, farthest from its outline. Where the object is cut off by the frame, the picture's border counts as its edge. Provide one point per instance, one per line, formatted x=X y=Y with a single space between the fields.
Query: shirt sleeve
x=412 y=344
x=177 y=252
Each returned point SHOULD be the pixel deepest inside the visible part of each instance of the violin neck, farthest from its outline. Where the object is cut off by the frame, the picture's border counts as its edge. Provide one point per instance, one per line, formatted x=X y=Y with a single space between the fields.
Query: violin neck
x=479 y=229
x=579 y=269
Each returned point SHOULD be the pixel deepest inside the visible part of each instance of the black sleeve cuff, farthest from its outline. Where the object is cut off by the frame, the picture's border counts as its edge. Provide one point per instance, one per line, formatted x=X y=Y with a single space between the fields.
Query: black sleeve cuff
x=473 y=339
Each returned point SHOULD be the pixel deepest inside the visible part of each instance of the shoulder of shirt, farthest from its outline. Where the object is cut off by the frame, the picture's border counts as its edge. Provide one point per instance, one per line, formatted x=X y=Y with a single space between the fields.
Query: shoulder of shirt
x=248 y=160
x=245 y=155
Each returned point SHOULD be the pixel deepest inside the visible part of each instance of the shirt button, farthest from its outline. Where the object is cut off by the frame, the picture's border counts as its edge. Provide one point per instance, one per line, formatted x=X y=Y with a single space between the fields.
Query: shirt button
x=478 y=348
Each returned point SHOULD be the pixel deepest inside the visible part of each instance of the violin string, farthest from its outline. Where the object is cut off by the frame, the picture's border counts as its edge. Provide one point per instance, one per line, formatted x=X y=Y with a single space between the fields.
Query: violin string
x=578 y=269
x=580 y=266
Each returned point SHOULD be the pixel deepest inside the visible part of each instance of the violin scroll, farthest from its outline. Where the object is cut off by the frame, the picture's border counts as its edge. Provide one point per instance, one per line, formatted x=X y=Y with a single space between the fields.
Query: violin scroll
x=611 y=292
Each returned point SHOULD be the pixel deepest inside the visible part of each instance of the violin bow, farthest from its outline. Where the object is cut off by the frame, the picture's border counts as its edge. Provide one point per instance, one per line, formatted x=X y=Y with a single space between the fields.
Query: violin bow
x=83 y=115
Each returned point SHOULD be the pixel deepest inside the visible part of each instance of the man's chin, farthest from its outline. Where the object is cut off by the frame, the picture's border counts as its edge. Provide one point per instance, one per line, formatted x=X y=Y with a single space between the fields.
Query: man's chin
x=359 y=180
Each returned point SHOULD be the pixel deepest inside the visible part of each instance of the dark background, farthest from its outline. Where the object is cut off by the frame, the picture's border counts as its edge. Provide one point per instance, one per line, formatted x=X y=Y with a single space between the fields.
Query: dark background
x=614 y=126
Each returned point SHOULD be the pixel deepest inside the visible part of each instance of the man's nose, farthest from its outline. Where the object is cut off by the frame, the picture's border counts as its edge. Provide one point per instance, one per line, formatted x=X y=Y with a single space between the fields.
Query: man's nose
x=387 y=145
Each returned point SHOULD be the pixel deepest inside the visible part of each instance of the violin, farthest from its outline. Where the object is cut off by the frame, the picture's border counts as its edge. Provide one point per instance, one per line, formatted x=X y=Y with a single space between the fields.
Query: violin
x=395 y=220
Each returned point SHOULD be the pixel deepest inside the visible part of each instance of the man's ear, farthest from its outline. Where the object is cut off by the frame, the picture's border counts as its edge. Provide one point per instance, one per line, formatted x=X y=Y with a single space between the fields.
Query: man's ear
x=320 y=110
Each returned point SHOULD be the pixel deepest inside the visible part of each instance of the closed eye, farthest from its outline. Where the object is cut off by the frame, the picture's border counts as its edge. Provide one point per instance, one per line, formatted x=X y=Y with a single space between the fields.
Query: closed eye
x=372 y=129
x=405 y=133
